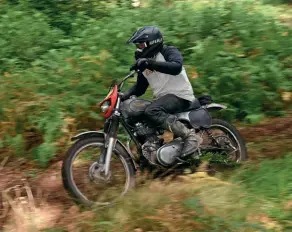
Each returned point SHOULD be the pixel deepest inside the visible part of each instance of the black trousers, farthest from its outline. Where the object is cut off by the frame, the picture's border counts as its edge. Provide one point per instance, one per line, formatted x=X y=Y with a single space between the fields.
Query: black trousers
x=159 y=110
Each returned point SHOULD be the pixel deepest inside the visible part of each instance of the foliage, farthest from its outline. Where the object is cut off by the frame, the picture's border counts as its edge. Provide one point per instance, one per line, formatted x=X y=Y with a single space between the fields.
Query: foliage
x=277 y=1
x=270 y=179
x=60 y=13
x=177 y=206
x=203 y=203
x=24 y=37
x=253 y=198
x=58 y=59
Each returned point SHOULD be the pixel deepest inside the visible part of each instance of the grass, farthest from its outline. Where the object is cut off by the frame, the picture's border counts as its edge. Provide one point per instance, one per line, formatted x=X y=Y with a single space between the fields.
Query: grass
x=272 y=181
x=257 y=198
x=254 y=197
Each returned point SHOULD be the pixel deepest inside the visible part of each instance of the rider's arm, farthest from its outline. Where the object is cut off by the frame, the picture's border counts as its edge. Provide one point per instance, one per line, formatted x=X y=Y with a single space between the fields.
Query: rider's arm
x=139 y=88
x=172 y=64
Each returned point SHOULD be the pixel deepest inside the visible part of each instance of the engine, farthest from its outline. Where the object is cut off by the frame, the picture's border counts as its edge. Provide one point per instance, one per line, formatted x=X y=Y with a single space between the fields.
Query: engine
x=144 y=132
x=133 y=112
x=166 y=155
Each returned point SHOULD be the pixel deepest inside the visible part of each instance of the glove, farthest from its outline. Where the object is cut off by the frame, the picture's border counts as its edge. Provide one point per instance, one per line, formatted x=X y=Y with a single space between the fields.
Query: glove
x=140 y=64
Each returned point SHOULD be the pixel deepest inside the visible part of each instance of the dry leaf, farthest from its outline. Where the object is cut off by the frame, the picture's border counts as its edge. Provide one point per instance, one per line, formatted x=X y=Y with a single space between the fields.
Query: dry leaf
x=287 y=96
x=288 y=205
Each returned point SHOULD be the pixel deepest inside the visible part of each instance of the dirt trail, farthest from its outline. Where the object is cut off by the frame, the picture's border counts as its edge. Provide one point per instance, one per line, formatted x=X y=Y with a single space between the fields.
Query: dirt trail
x=24 y=192
x=33 y=191
x=271 y=139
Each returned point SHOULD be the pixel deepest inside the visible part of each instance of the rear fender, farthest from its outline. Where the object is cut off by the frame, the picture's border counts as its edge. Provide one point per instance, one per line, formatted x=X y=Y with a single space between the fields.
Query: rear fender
x=100 y=134
x=198 y=118
x=215 y=107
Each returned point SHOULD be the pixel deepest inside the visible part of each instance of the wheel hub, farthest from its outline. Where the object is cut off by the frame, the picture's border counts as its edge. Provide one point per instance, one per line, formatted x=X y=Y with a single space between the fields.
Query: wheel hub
x=225 y=144
x=96 y=172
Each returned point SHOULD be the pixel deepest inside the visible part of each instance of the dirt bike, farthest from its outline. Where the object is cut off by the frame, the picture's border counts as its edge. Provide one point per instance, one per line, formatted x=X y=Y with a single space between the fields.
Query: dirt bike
x=99 y=173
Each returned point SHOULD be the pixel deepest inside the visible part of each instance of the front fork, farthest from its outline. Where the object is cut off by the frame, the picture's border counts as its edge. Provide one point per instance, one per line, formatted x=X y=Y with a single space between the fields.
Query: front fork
x=110 y=130
x=110 y=143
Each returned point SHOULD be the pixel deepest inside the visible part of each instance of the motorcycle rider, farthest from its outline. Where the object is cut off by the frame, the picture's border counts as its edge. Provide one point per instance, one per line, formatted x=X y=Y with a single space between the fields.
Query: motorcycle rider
x=161 y=67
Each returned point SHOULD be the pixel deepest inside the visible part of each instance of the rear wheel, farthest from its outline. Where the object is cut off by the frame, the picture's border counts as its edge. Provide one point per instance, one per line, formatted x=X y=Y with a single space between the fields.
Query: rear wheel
x=83 y=175
x=224 y=139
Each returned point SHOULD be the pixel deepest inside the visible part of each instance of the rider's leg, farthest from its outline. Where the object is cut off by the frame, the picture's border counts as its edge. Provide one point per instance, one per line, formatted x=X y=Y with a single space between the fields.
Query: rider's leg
x=160 y=112
x=191 y=140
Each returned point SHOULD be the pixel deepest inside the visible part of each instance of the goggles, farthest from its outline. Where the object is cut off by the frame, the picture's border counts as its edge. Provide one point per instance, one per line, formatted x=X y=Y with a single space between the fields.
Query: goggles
x=141 y=45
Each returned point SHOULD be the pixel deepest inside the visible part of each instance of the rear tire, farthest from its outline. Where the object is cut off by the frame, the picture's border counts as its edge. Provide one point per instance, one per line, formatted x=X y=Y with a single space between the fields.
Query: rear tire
x=233 y=131
x=67 y=175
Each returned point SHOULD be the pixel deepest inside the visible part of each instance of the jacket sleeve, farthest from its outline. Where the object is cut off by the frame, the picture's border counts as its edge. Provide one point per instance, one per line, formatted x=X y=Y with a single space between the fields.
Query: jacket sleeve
x=139 y=88
x=173 y=62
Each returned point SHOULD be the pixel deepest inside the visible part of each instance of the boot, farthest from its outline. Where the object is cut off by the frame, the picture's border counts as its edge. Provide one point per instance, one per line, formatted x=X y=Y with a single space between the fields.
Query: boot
x=191 y=140
x=191 y=143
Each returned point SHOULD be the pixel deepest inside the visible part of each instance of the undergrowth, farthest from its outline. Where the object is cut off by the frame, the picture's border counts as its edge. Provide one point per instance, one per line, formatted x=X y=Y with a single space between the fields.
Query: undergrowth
x=253 y=198
x=270 y=180
x=58 y=60
x=193 y=203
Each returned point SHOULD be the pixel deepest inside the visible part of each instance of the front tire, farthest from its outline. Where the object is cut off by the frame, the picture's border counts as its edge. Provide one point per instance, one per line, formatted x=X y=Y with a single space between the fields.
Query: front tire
x=73 y=152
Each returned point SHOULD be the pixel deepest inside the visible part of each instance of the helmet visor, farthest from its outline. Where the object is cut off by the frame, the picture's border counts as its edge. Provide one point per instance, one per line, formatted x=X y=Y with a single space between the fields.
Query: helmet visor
x=141 y=45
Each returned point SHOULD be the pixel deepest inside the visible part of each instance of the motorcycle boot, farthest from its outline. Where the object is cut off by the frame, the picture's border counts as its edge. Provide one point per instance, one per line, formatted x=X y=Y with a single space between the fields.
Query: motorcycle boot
x=192 y=141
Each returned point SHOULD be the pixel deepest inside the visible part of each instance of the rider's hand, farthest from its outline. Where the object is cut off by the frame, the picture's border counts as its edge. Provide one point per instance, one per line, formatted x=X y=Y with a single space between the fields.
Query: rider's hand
x=141 y=64
x=133 y=67
x=124 y=96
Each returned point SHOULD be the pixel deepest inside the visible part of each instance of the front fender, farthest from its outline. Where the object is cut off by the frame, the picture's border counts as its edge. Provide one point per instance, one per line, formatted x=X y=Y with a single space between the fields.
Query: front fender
x=90 y=134
x=215 y=106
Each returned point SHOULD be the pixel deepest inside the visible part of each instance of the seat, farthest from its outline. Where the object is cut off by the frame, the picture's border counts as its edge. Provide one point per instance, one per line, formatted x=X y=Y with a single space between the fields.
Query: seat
x=198 y=102
x=194 y=105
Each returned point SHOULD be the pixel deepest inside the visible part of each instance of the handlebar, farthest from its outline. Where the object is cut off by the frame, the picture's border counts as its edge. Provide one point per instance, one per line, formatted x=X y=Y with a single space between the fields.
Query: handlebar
x=132 y=73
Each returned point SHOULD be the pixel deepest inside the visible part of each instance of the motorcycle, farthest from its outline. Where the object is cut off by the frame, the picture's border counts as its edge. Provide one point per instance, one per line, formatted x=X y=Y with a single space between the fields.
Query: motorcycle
x=116 y=162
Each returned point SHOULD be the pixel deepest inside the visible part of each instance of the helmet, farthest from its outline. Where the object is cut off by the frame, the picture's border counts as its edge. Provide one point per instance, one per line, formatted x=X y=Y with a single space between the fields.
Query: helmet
x=148 y=40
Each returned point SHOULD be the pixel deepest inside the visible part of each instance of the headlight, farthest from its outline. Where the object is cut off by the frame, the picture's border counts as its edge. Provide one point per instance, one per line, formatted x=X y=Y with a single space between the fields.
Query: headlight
x=104 y=107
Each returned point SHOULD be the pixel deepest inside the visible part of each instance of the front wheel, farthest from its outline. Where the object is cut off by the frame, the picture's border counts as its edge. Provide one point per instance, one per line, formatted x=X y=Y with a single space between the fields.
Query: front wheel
x=83 y=175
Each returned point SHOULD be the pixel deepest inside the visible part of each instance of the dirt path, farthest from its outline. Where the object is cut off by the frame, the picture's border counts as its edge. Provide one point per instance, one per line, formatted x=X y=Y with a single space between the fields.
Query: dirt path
x=271 y=139
x=30 y=193
x=33 y=193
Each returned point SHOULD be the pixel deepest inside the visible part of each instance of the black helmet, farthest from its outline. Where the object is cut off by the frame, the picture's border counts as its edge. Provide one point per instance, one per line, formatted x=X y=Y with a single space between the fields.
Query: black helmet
x=148 y=40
